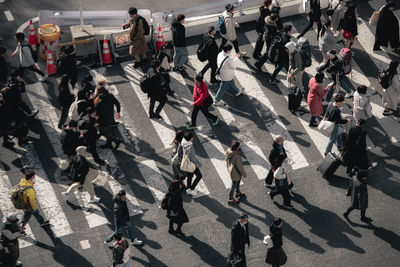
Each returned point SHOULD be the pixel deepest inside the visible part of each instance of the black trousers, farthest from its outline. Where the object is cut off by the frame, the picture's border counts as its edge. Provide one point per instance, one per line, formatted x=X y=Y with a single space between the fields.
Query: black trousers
x=205 y=111
x=313 y=19
x=64 y=114
x=259 y=45
x=285 y=194
x=361 y=211
x=110 y=132
x=165 y=82
x=32 y=68
x=212 y=63
x=72 y=78
x=278 y=68
x=171 y=225
x=91 y=145
x=264 y=57
x=193 y=185
x=235 y=45
x=159 y=107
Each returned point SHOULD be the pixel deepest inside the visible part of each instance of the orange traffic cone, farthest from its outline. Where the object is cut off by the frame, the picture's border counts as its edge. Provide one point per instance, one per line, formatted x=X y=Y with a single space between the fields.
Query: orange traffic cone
x=106 y=57
x=33 y=40
x=50 y=67
x=160 y=39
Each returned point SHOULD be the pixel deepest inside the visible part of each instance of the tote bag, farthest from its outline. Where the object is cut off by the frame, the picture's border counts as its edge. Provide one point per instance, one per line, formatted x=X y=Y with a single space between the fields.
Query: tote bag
x=186 y=164
x=326 y=127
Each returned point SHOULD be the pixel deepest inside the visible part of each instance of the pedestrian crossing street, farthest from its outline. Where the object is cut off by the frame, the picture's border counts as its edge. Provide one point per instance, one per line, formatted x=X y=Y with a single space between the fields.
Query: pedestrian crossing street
x=254 y=119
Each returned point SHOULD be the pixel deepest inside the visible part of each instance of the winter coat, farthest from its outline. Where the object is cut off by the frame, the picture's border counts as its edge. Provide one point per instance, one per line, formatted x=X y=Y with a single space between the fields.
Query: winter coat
x=10 y=233
x=156 y=92
x=235 y=165
x=121 y=252
x=29 y=195
x=362 y=108
x=349 y=23
x=274 y=254
x=23 y=53
x=211 y=47
x=283 y=58
x=227 y=71
x=105 y=109
x=138 y=40
x=276 y=236
x=275 y=152
x=338 y=13
x=334 y=114
x=390 y=96
x=69 y=141
x=87 y=125
x=355 y=148
x=200 y=93
x=327 y=42
x=314 y=97
x=295 y=62
x=264 y=12
x=387 y=29
x=80 y=167
x=178 y=33
x=270 y=30
x=187 y=147
x=239 y=237
x=121 y=212
x=359 y=194
x=230 y=26
x=175 y=210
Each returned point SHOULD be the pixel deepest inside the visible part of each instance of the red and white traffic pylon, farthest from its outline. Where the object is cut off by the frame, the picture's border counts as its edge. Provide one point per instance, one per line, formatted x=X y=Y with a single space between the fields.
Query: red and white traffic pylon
x=33 y=39
x=50 y=67
x=106 y=57
x=160 y=39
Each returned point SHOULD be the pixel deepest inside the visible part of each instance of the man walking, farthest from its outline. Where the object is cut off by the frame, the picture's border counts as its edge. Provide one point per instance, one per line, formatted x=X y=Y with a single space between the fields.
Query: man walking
x=230 y=26
x=296 y=69
x=29 y=197
x=270 y=34
x=240 y=237
x=179 y=38
x=11 y=231
x=211 y=49
x=264 y=12
x=138 y=46
x=23 y=51
x=70 y=139
x=67 y=66
x=227 y=68
x=121 y=219
x=156 y=91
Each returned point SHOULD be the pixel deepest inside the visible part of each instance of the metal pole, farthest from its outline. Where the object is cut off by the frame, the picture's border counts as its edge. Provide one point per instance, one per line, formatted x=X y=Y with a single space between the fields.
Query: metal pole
x=81 y=11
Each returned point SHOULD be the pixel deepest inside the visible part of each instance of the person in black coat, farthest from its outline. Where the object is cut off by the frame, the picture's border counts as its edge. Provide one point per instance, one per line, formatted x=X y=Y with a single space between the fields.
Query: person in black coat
x=240 y=237
x=70 y=140
x=264 y=12
x=283 y=58
x=66 y=98
x=212 y=53
x=105 y=112
x=12 y=96
x=3 y=66
x=164 y=56
x=270 y=33
x=67 y=65
x=277 y=149
x=175 y=211
x=179 y=38
x=314 y=16
x=387 y=28
x=349 y=24
x=121 y=219
x=156 y=93
x=359 y=196
x=275 y=255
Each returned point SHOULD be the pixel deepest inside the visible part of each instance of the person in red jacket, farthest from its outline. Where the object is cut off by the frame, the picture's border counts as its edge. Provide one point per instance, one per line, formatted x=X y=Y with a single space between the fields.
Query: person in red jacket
x=202 y=100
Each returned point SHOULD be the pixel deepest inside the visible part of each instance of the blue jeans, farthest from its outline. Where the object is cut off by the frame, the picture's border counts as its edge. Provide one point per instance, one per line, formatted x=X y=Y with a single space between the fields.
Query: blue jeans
x=226 y=86
x=343 y=83
x=28 y=213
x=235 y=185
x=334 y=137
x=119 y=230
x=180 y=56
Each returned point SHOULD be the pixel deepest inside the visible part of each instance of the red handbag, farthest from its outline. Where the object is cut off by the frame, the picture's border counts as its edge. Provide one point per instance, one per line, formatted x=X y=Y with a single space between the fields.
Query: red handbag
x=346 y=35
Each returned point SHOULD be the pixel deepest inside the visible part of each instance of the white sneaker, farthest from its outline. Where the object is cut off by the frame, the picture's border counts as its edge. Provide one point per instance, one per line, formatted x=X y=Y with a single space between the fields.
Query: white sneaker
x=241 y=90
x=94 y=200
x=191 y=192
x=348 y=95
x=136 y=242
x=44 y=78
x=65 y=196
x=219 y=103
x=242 y=54
x=109 y=244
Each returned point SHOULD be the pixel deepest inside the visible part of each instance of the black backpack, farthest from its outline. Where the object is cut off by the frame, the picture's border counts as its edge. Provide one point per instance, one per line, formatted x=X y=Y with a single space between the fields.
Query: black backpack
x=145 y=83
x=202 y=52
x=384 y=78
x=146 y=26
x=275 y=50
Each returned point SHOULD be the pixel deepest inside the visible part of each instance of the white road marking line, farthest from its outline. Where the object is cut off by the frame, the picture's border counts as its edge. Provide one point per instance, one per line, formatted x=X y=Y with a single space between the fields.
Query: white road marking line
x=9 y=15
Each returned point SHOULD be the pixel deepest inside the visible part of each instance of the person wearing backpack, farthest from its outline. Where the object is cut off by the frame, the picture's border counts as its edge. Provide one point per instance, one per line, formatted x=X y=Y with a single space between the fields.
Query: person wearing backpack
x=11 y=230
x=296 y=69
x=179 y=38
x=202 y=100
x=390 y=96
x=121 y=251
x=278 y=48
x=164 y=56
x=314 y=17
x=138 y=45
x=270 y=34
x=264 y=12
x=211 y=50
x=24 y=53
x=227 y=67
x=29 y=198
x=230 y=30
x=387 y=28
x=349 y=24
x=175 y=211
x=156 y=91
x=236 y=171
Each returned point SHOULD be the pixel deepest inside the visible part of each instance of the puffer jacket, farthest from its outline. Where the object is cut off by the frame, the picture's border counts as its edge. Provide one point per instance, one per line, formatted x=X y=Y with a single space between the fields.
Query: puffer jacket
x=230 y=26
x=29 y=194
x=235 y=165
x=187 y=147
x=270 y=30
x=362 y=108
x=227 y=71
x=178 y=33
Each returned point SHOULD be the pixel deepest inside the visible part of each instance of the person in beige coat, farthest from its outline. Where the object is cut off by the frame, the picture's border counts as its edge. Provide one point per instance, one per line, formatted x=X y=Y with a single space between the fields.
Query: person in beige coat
x=138 y=46
x=230 y=26
x=235 y=168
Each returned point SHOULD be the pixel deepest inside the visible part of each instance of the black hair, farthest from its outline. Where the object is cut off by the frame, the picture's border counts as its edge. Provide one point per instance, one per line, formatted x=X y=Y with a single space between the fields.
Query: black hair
x=121 y=193
x=227 y=48
x=362 y=89
x=339 y=98
x=319 y=77
x=178 y=137
x=188 y=135
x=180 y=17
x=199 y=77
x=211 y=29
x=155 y=63
x=73 y=123
x=235 y=144
x=132 y=10
x=88 y=78
x=273 y=16
x=267 y=3
x=29 y=174
x=118 y=236
x=20 y=36
x=287 y=28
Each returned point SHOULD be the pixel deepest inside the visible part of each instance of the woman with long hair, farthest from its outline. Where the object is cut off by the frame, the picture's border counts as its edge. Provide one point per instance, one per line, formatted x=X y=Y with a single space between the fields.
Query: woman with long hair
x=175 y=210
x=349 y=25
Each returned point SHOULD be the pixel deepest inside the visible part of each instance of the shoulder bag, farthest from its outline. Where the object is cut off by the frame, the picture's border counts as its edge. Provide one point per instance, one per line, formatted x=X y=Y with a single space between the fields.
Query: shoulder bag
x=218 y=72
x=325 y=126
x=186 y=164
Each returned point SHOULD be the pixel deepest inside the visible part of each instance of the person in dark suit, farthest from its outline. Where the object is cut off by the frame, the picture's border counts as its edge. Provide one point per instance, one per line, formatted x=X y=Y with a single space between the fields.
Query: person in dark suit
x=212 y=53
x=240 y=237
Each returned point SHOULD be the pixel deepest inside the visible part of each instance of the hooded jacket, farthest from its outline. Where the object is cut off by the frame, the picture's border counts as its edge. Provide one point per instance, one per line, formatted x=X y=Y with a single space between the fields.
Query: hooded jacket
x=29 y=194
x=187 y=147
x=178 y=33
x=230 y=26
x=235 y=165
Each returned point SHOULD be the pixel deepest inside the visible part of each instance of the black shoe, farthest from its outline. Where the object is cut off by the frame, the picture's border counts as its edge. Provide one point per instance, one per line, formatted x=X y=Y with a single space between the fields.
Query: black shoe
x=269 y=193
x=137 y=64
x=180 y=233
x=34 y=113
x=366 y=219
x=152 y=115
x=313 y=124
x=171 y=231
x=171 y=93
x=117 y=143
x=46 y=222
x=215 y=81
x=258 y=66
x=106 y=146
x=241 y=195
x=158 y=116
x=346 y=215
x=100 y=162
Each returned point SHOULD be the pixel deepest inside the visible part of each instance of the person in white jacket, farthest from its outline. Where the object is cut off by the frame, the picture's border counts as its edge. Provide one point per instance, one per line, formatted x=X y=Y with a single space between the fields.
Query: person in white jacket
x=362 y=108
x=227 y=68
x=230 y=26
